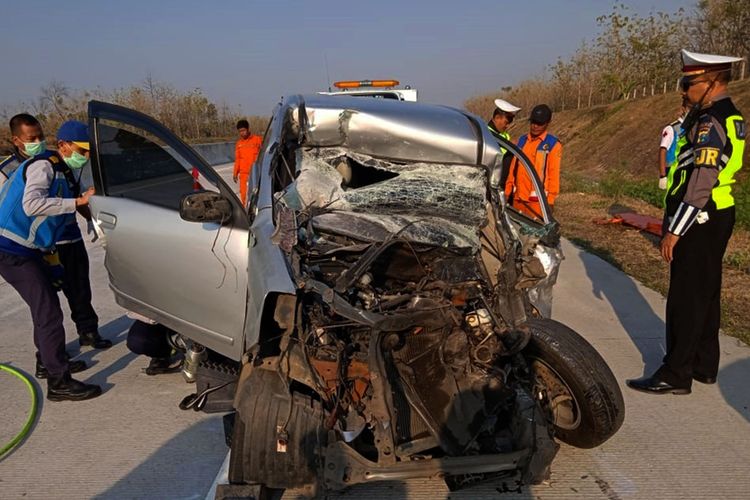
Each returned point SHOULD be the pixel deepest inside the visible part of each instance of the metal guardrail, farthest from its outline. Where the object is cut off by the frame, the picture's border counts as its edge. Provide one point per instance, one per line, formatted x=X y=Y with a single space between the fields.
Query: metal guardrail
x=216 y=153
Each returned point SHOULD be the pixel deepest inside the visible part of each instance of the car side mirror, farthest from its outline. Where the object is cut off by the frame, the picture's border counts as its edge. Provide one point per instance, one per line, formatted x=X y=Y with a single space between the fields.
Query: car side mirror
x=205 y=206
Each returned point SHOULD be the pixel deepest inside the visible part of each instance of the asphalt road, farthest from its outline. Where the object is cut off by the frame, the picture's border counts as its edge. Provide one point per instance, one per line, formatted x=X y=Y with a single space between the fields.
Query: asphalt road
x=134 y=442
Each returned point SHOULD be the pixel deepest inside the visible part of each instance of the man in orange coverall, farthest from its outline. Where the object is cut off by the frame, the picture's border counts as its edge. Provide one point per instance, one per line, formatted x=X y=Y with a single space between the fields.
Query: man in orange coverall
x=545 y=152
x=245 y=152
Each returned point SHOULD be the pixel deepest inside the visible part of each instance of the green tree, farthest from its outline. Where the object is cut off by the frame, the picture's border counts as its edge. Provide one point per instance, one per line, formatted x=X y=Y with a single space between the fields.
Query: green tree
x=191 y=115
x=722 y=27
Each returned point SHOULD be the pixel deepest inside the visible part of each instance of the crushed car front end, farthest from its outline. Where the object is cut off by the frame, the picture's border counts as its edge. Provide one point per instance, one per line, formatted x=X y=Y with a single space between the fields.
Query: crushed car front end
x=401 y=354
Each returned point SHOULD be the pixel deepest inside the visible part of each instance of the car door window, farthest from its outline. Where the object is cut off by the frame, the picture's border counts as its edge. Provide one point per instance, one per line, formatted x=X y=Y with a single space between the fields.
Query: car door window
x=138 y=166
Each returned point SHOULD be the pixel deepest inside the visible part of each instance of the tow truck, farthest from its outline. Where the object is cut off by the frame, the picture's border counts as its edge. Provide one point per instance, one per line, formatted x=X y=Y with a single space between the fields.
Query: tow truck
x=381 y=89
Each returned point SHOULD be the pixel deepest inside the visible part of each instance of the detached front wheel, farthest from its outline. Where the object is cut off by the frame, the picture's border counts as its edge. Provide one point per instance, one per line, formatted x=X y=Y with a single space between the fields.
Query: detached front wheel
x=575 y=385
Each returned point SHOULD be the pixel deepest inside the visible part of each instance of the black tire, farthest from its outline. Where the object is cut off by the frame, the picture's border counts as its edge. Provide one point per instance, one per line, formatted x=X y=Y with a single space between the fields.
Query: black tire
x=264 y=407
x=580 y=391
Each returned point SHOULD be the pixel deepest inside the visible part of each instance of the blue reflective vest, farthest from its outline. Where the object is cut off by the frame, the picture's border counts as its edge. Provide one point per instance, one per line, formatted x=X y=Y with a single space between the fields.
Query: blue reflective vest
x=7 y=167
x=71 y=232
x=672 y=150
x=22 y=234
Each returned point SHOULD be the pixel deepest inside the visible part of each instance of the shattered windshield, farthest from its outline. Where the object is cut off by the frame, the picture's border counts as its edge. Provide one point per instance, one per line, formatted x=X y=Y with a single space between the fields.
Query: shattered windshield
x=442 y=204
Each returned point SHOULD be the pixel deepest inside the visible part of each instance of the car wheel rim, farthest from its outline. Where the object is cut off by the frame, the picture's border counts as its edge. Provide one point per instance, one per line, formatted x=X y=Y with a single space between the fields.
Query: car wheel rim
x=552 y=390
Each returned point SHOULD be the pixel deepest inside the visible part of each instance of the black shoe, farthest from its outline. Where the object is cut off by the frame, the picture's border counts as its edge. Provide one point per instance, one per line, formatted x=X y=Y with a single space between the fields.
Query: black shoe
x=73 y=367
x=703 y=379
x=654 y=385
x=159 y=366
x=94 y=340
x=65 y=388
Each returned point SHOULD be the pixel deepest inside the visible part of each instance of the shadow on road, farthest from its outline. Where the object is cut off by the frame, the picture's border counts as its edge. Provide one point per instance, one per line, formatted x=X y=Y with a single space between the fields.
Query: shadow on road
x=732 y=381
x=116 y=331
x=183 y=467
x=101 y=377
x=644 y=327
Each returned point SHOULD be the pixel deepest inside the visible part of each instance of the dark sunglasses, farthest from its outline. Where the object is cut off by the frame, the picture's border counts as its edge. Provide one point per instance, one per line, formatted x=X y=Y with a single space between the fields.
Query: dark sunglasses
x=686 y=83
x=510 y=117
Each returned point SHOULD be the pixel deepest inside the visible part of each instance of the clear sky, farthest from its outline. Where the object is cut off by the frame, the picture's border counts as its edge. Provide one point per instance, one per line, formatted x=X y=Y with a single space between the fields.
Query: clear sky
x=250 y=53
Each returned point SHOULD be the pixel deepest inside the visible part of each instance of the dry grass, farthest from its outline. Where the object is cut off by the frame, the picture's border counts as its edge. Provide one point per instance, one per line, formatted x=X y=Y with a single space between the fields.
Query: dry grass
x=636 y=253
x=610 y=157
x=623 y=135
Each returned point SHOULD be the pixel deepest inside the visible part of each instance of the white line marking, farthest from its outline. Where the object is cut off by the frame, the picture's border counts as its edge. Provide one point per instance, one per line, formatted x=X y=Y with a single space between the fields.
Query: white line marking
x=222 y=477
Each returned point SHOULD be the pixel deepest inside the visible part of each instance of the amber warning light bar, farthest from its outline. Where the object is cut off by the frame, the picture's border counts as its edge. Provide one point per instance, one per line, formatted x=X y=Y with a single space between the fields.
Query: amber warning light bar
x=353 y=84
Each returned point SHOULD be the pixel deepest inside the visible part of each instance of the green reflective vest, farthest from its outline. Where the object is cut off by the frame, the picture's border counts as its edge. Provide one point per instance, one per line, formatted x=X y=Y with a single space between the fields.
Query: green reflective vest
x=728 y=161
x=722 y=193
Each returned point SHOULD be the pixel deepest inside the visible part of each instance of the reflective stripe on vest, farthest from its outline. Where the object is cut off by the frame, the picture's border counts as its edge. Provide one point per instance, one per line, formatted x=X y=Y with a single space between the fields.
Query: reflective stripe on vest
x=679 y=160
x=32 y=232
x=504 y=135
x=671 y=157
x=545 y=147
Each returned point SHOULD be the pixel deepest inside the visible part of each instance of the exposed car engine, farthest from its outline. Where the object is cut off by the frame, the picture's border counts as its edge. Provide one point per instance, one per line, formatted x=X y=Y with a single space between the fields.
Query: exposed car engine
x=399 y=323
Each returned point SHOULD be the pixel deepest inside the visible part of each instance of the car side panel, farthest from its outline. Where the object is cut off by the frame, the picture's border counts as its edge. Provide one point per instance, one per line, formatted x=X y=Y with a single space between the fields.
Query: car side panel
x=189 y=276
x=268 y=268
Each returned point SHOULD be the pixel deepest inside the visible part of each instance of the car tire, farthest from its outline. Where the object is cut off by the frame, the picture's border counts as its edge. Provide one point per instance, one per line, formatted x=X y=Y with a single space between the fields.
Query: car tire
x=255 y=456
x=579 y=391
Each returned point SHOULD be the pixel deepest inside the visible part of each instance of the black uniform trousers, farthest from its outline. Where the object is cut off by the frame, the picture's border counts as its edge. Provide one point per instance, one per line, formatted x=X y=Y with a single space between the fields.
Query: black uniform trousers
x=29 y=277
x=693 y=302
x=77 y=286
x=150 y=340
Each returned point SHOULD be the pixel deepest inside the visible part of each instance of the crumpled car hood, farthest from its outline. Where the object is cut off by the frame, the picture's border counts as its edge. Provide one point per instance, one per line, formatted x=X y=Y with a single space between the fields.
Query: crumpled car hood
x=430 y=203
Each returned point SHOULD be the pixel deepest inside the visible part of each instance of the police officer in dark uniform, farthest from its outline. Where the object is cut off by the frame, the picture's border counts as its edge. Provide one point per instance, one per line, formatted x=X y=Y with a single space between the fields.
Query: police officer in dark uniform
x=699 y=219
x=28 y=141
x=502 y=117
x=498 y=125
x=34 y=203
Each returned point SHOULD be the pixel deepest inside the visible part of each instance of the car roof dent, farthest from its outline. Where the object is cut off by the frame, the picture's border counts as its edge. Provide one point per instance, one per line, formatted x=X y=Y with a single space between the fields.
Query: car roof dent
x=395 y=130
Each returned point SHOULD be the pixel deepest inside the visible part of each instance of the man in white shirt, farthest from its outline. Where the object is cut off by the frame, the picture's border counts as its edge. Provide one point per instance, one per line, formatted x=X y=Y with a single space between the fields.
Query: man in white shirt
x=668 y=146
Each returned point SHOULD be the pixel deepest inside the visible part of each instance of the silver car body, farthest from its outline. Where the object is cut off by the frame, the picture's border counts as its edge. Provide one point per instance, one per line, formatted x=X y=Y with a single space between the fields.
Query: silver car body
x=211 y=281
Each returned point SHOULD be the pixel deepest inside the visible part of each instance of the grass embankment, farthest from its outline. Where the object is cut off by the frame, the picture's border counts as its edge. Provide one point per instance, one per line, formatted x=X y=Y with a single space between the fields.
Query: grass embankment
x=610 y=163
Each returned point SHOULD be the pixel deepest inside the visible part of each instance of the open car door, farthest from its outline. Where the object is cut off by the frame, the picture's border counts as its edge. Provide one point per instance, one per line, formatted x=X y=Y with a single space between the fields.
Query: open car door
x=189 y=276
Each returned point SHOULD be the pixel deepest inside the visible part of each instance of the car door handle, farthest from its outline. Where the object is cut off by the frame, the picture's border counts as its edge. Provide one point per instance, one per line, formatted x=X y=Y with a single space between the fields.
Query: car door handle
x=107 y=221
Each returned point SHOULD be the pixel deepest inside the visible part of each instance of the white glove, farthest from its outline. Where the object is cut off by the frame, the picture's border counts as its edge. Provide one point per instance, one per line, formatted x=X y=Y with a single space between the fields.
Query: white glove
x=91 y=231
x=663 y=183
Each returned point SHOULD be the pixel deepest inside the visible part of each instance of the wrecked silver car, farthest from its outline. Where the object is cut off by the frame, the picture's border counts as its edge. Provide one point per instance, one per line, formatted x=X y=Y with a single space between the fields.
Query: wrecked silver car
x=376 y=312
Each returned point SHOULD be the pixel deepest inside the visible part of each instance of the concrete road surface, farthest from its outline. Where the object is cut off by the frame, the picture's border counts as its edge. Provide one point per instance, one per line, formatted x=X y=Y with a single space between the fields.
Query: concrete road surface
x=133 y=441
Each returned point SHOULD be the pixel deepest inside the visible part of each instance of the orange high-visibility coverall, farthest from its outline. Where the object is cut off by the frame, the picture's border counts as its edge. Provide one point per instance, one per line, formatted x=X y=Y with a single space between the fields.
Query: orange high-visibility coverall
x=519 y=183
x=245 y=153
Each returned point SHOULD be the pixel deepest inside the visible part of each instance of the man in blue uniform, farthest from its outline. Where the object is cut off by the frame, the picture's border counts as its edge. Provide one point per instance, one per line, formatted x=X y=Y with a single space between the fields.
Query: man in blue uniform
x=670 y=136
x=35 y=204
x=72 y=250
x=698 y=222
x=158 y=342
x=28 y=141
